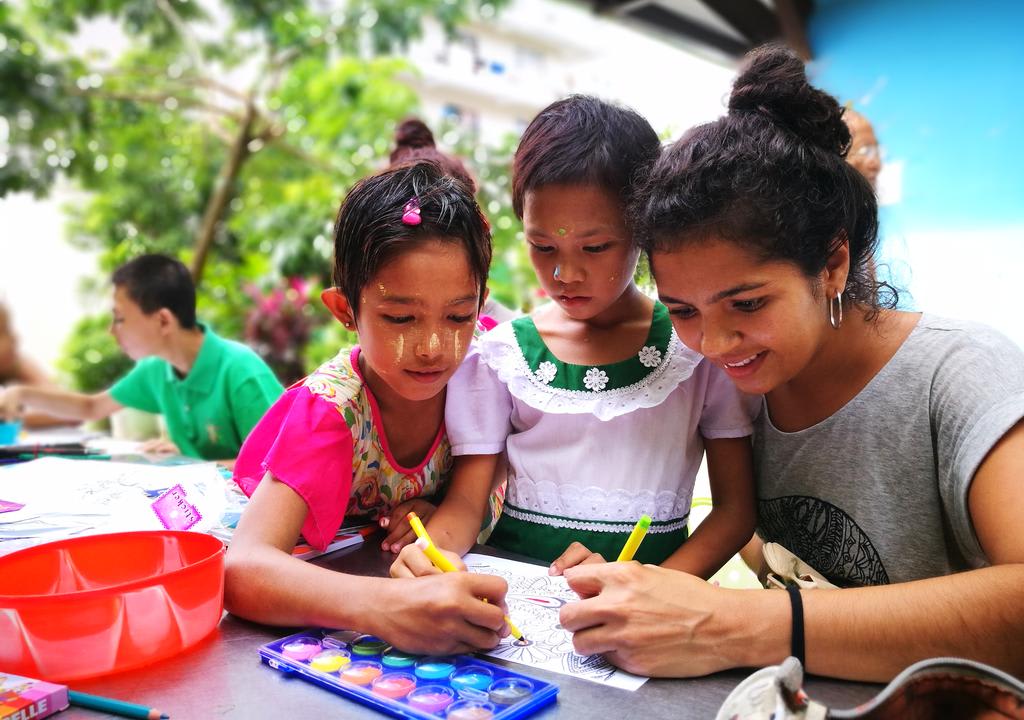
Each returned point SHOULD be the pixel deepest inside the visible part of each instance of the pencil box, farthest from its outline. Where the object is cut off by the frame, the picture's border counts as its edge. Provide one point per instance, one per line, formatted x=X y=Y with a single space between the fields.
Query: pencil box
x=366 y=669
x=22 y=697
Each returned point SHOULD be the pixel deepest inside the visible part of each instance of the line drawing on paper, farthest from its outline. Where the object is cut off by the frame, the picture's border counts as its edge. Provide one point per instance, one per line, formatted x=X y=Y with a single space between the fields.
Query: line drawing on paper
x=534 y=599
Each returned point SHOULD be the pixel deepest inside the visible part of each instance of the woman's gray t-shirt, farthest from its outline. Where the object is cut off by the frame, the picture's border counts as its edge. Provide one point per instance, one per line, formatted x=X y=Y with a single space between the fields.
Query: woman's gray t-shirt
x=877 y=493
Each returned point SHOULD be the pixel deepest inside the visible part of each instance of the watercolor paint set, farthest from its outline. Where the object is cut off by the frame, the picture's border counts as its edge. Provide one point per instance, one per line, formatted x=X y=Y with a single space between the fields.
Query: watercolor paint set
x=368 y=670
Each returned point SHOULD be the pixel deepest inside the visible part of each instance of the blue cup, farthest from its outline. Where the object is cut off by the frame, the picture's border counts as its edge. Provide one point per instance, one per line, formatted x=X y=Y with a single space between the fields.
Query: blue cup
x=9 y=432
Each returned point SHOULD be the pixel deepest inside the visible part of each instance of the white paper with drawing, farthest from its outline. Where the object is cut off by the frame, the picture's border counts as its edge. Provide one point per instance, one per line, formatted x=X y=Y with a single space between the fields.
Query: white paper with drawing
x=63 y=498
x=534 y=599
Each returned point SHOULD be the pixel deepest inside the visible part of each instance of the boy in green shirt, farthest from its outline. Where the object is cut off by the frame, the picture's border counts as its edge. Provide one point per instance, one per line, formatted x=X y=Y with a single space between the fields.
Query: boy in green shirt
x=210 y=391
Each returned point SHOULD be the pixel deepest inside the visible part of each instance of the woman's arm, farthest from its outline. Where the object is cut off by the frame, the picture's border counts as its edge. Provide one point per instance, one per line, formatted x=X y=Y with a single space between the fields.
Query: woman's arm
x=662 y=623
x=263 y=582
x=15 y=400
x=731 y=521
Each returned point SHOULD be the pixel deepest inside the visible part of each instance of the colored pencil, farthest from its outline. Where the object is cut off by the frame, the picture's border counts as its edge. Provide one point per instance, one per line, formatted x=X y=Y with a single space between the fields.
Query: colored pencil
x=635 y=538
x=444 y=564
x=114 y=707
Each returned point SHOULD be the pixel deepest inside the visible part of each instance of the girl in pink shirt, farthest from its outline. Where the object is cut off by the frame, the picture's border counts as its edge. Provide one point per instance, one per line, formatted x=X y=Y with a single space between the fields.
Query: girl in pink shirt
x=363 y=436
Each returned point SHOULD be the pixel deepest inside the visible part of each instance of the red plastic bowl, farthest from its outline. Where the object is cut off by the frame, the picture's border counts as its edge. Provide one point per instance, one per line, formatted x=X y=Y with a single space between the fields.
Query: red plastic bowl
x=99 y=604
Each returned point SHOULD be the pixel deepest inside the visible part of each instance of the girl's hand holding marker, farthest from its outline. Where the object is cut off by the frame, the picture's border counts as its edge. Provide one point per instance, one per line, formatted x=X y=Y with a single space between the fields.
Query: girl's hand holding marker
x=444 y=563
x=579 y=554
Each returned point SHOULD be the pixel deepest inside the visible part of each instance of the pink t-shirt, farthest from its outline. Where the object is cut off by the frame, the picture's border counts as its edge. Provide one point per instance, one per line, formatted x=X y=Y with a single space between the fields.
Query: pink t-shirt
x=325 y=440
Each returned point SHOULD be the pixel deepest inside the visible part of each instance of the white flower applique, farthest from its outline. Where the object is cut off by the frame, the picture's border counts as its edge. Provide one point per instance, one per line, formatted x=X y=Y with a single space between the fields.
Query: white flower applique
x=650 y=356
x=546 y=372
x=595 y=379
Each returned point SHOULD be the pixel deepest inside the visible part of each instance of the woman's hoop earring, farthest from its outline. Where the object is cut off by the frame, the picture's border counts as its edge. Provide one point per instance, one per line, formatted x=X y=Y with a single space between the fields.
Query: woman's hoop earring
x=836 y=319
x=556 y=273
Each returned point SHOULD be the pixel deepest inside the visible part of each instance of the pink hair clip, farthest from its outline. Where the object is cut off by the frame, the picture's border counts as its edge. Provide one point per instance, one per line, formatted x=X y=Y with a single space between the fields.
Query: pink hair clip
x=411 y=212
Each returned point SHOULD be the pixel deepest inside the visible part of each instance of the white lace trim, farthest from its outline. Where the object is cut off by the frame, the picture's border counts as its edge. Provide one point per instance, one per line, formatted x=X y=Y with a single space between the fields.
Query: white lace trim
x=596 y=503
x=589 y=526
x=502 y=353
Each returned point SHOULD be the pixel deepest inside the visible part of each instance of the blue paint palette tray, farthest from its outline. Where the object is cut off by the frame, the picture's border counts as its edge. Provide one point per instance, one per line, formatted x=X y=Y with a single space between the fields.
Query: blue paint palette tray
x=366 y=669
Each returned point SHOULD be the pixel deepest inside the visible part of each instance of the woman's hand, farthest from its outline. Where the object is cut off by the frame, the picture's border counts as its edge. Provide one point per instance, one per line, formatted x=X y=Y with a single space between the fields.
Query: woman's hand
x=413 y=562
x=575 y=554
x=652 y=621
x=397 y=524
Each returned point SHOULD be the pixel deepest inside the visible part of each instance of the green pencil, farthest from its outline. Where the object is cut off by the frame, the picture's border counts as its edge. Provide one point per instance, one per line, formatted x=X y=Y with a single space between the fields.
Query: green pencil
x=114 y=707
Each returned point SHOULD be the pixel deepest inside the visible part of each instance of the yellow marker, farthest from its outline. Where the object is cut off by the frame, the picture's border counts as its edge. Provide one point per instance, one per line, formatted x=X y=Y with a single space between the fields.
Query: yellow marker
x=635 y=538
x=435 y=556
x=442 y=563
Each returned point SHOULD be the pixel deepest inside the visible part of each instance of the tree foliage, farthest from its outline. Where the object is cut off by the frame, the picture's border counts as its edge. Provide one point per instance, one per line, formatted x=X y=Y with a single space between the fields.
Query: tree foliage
x=224 y=132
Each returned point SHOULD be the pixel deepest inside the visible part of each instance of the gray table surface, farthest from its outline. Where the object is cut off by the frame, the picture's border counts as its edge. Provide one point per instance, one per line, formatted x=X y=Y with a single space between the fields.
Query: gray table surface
x=222 y=677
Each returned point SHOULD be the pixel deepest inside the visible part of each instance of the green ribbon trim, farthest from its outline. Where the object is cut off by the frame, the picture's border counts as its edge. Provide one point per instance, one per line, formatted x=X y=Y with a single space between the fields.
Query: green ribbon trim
x=571 y=377
x=546 y=543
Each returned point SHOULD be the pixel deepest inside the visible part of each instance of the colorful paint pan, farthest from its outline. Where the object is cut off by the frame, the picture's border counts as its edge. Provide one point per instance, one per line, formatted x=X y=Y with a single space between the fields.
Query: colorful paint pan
x=470 y=710
x=365 y=668
x=363 y=672
x=394 y=685
x=330 y=660
x=369 y=645
x=398 y=659
x=471 y=677
x=431 y=698
x=434 y=668
x=301 y=648
x=509 y=691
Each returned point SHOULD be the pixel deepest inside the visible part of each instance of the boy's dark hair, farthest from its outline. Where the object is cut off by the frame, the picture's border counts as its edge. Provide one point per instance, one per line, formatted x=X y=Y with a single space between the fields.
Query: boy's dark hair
x=770 y=175
x=369 y=230
x=584 y=141
x=157 y=281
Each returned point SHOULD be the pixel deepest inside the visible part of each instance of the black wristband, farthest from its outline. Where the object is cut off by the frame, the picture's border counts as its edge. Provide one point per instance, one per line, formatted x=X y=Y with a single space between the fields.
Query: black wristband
x=796 y=643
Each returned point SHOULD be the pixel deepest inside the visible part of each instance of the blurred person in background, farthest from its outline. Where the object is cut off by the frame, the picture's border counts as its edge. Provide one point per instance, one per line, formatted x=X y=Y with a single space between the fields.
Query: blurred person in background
x=865 y=153
x=892 y=261
x=16 y=368
x=211 y=391
x=415 y=141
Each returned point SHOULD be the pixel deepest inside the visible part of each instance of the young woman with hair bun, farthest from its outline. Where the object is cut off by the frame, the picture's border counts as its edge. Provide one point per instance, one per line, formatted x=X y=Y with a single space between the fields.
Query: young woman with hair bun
x=889 y=450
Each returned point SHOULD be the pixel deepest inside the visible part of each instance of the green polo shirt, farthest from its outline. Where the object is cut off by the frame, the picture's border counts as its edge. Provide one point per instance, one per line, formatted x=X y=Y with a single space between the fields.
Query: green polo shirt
x=210 y=411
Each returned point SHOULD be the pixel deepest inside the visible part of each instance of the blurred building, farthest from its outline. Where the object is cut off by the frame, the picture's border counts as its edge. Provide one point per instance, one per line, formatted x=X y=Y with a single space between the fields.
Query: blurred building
x=491 y=78
x=496 y=73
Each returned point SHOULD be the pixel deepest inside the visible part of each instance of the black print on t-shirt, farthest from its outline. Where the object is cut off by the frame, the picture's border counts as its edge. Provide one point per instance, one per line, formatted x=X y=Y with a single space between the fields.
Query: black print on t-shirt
x=823 y=536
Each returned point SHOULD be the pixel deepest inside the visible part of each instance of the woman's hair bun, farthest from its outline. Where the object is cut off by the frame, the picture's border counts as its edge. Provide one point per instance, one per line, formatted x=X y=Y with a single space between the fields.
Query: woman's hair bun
x=413 y=133
x=773 y=82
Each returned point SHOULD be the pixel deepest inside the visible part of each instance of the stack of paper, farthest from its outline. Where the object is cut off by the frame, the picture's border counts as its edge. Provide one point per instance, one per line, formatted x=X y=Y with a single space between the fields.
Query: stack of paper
x=61 y=498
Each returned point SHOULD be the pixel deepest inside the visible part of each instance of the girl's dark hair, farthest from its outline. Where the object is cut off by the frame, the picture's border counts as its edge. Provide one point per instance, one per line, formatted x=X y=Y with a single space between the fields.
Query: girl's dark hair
x=771 y=176
x=156 y=281
x=414 y=141
x=582 y=140
x=369 y=230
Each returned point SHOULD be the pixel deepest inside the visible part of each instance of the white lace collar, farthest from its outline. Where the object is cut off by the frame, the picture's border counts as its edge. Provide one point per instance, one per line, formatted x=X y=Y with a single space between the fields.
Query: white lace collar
x=500 y=349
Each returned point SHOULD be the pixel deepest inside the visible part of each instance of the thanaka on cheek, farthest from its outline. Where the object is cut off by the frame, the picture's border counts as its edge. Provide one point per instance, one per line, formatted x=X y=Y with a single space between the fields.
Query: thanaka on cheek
x=458 y=345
